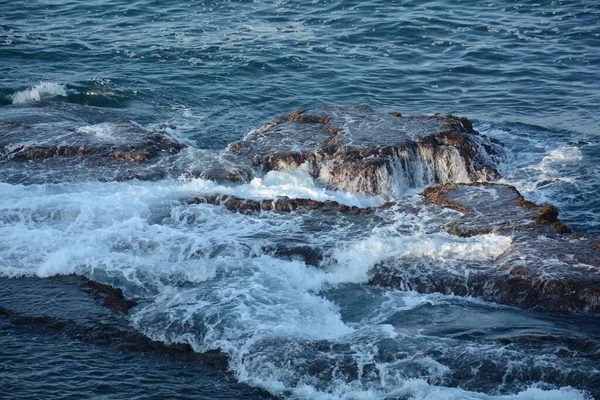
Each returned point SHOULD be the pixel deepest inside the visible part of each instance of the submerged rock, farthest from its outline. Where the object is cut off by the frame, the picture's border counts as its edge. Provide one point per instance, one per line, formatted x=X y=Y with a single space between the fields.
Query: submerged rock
x=89 y=312
x=545 y=268
x=111 y=297
x=58 y=152
x=359 y=150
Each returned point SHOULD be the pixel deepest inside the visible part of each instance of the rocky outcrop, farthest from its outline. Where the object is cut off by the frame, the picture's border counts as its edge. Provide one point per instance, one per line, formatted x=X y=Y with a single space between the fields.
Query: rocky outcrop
x=349 y=148
x=50 y=152
x=359 y=150
x=282 y=203
x=353 y=149
x=114 y=140
x=546 y=268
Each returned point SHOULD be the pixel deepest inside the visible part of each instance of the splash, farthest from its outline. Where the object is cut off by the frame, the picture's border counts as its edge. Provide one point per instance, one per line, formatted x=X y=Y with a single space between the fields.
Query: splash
x=41 y=91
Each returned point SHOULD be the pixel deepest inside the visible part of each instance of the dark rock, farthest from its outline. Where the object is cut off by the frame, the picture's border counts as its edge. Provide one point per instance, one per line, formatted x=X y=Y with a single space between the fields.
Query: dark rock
x=307 y=254
x=50 y=152
x=111 y=297
x=126 y=142
x=561 y=227
x=543 y=270
x=357 y=149
x=283 y=204
x=547 y=214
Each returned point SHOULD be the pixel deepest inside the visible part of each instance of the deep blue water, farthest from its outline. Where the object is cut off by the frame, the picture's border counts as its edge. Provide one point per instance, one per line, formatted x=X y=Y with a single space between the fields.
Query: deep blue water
x=207 y=72
x=217 y=69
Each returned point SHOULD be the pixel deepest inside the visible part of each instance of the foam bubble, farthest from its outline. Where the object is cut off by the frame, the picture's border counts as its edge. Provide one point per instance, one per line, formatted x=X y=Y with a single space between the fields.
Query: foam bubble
x=43 y=90
x=563 y=155
x=556 y=164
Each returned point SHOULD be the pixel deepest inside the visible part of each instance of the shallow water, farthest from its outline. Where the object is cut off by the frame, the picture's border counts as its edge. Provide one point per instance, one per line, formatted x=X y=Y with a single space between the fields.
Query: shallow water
x=206 y=73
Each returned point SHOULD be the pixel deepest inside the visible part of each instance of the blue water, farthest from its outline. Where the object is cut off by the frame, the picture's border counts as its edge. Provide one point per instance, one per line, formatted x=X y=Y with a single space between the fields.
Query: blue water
x=207 y=72
x=234 y=64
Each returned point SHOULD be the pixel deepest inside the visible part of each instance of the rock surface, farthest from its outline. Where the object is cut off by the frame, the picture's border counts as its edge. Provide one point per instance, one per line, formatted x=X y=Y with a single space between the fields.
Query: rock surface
x=546 y=268
x=59 y=152
x=282 y=203
x=359 y=150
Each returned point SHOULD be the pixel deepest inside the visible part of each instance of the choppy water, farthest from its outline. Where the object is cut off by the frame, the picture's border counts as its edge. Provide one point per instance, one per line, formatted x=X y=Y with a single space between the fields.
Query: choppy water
x=205 y=73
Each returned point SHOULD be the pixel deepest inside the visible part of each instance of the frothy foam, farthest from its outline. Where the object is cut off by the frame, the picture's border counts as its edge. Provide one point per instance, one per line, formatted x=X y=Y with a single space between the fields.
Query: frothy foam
x=77 y=228
x=103 y=131
x=294 y=184
x=563 y=154
x=43 y=90
x=358 y=258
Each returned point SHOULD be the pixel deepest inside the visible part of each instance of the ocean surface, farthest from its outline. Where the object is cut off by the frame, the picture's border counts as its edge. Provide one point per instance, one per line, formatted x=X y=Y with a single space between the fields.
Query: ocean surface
x=206 y=73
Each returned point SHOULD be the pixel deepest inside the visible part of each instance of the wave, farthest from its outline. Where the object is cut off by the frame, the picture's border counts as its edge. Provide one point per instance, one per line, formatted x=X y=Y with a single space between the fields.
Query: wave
x=41 y=91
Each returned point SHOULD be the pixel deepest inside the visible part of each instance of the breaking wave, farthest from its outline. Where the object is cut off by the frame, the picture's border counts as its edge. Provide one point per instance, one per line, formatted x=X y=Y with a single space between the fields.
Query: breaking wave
x=41 y=91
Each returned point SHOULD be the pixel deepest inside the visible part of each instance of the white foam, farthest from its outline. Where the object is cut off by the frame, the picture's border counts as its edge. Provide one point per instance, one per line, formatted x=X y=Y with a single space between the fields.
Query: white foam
x=566 y=154
x=294 y=184
x=102 y=131
x=43 y=90
x=419 y=390
x=358 y=258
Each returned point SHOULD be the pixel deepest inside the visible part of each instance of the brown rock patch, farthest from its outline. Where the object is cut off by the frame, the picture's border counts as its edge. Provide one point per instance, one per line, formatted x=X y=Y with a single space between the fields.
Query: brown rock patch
x=439 y=195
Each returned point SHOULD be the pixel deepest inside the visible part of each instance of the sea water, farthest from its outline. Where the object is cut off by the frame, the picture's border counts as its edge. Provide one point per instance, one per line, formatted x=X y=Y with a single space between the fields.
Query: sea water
x=206 y=73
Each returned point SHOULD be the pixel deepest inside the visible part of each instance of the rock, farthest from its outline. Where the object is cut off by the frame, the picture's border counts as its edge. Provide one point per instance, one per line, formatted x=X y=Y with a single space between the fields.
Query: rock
x=544 y=269
x=349 y=148
x=49 y=152
x=359 y=150
x=111 y=297
x=75 y=312
x=282 y=203
x=309 y=255
x=111 y=140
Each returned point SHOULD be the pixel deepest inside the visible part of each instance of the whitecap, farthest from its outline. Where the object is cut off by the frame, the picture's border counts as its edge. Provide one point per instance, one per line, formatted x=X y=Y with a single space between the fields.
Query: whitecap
x=43 y=90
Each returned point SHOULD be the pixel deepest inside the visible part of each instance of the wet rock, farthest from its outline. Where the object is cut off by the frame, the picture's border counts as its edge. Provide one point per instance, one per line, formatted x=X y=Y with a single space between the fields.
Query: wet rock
x=544 y=269
x=309 y=255
x=359 y=150
x=282 y=203
x=87 y=311
x=61 y=142
x=111 y=297
x=49 y=152
x=112 y=140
